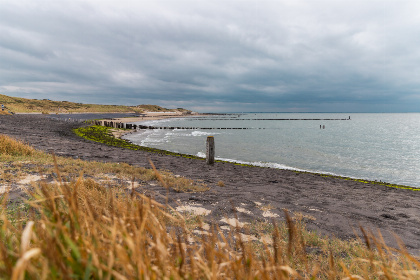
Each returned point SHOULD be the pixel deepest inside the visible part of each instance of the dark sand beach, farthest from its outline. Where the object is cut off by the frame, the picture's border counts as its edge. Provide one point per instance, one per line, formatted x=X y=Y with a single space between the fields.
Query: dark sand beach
x=331 y=206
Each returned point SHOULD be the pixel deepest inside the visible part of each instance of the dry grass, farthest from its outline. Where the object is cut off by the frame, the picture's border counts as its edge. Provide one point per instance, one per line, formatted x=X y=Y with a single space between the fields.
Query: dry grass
x=182 y=184
x=46 y=106
x=82 y=229
x=221 y=184
x=16 y=157
x=155 y=108
x=12 y=147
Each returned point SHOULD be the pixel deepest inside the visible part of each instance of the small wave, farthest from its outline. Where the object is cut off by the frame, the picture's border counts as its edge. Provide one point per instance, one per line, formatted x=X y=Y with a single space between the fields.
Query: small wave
x=137 y=136
x=261 y=164
x=201 y=133
x=151 y=140
x=254 y=163
x=201 y=155
x=157 y=122
x=178 y=133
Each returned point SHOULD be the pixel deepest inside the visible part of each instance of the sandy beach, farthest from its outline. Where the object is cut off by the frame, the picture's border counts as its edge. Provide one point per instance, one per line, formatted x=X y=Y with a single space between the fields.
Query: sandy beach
x=152 y=116
x=331 y=206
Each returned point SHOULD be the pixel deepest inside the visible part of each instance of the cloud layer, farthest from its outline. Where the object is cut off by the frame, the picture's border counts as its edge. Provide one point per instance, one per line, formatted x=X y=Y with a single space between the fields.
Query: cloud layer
x=234 y=55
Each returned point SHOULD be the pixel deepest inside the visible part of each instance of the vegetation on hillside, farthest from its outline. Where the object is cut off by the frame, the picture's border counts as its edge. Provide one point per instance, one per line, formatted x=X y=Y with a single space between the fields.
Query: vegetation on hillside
x=80 y=225
x=24 y=105
x=155 y=108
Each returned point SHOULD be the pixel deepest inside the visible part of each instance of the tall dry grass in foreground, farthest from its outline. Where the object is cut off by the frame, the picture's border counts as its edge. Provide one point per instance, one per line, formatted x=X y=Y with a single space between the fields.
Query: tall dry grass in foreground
x=83 y=230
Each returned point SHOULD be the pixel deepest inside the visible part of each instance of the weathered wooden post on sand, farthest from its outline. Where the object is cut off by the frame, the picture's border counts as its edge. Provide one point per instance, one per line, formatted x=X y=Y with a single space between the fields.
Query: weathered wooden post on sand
x=210 y=150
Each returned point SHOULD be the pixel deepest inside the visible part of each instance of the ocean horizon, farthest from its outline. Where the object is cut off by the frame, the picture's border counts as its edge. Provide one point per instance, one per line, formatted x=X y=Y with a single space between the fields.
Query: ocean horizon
x=372 y=146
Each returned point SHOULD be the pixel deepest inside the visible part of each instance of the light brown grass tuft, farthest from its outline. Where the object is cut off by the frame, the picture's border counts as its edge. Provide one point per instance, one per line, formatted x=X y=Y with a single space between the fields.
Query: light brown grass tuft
x=10 y=146
x=183 y=184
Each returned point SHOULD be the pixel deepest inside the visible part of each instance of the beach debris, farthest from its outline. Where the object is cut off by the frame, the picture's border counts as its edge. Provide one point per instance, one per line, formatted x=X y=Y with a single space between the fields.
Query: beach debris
x=201 y=211
x=243 y=210
x=201 y=232
x=269 y=214
x=28 y=179
x=233 y=222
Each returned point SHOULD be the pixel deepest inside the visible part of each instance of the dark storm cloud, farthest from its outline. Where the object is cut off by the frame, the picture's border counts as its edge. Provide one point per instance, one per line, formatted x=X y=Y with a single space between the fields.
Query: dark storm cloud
x=215 y=55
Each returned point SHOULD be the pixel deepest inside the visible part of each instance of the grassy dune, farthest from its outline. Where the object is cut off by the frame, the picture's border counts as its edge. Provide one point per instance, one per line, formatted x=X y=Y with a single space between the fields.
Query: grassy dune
x=24 y=105
x=81 y=226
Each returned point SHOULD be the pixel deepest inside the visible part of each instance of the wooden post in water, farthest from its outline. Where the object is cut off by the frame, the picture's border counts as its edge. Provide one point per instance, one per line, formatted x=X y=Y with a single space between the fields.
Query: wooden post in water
x=210 y=150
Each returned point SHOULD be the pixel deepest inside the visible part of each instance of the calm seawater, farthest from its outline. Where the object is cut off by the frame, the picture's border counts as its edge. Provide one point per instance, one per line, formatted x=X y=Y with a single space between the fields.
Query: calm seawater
x=382 y=147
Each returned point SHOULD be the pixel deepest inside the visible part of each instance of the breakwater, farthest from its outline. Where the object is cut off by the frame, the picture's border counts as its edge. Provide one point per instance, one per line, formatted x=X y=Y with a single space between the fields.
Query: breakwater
x=122 y=125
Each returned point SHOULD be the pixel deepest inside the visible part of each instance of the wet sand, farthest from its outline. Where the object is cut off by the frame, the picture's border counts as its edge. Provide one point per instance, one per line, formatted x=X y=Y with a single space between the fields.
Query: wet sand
x=331 y=206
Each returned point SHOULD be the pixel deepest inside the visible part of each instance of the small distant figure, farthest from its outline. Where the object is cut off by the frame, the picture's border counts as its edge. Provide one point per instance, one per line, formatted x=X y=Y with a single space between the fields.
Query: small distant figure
x=2 y=107
x=323 y=127
x=320 y=126
x=349 y=117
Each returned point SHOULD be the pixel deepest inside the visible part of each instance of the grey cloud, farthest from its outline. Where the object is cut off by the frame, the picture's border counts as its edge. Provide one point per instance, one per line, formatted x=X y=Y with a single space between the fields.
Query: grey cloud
x=231 y=55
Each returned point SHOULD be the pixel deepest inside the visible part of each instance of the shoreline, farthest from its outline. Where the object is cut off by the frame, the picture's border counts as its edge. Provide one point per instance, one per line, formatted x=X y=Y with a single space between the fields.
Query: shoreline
x=331 y=206
x=119 y=134
x=158 y=116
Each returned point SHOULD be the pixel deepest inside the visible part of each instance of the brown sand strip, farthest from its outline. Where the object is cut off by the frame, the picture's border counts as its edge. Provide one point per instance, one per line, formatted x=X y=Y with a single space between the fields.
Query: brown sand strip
x=330 y=206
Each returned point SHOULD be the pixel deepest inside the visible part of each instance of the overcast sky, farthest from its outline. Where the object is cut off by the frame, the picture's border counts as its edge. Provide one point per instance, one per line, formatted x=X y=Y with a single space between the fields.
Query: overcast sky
x=215 y=55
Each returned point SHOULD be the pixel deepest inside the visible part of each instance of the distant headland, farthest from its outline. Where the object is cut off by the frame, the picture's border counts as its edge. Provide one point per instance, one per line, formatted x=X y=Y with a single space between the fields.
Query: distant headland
x=47 y=106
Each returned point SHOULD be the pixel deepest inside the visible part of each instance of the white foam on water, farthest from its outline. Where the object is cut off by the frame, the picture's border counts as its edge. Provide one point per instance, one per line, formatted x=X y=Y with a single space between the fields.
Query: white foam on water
x=146 y=137
x=256 y=163
x=201 y=155
x=275 y=166
x=201 y=133
x=260 y=164
x=195 y=133
x=157 y=122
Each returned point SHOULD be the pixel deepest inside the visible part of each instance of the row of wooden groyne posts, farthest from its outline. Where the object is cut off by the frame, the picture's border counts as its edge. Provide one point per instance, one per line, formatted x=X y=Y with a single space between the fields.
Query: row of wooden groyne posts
x=210 y=150
x=114 y=124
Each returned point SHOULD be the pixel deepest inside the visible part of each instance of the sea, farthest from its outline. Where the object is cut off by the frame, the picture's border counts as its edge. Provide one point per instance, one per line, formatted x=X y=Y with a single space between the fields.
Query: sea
x=372 y=146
